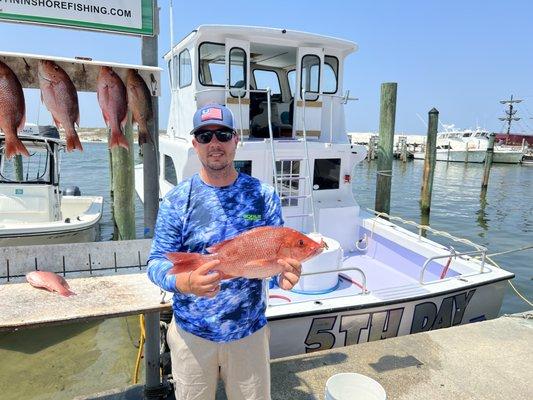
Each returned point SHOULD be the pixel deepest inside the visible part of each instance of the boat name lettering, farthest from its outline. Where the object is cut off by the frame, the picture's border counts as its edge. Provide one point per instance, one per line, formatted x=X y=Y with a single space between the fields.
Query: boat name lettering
x=358 y=328
x=450 y=313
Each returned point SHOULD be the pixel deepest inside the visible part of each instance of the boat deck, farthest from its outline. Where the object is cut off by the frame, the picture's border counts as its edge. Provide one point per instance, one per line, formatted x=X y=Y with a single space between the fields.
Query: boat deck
x=381 y=280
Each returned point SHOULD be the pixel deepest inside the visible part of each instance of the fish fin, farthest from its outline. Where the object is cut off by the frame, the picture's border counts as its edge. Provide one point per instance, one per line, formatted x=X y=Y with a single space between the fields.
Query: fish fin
x=184 y=262
x=73 y=142
x=14 y=146
x=118 y=140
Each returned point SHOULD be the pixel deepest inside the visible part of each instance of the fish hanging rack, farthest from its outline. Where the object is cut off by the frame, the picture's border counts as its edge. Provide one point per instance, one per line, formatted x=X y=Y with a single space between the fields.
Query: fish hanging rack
x=83 y=71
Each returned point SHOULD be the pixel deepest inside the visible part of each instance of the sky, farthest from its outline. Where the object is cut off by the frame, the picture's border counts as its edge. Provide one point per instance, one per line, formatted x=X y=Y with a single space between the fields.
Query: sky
x=461 y=57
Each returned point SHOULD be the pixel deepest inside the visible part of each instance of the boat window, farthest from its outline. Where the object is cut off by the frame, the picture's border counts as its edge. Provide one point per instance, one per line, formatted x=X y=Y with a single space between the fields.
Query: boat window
x=331 y=72
x=327 y=173
x=244 y=166
x=32 y=169
x=185 y=68
x=288 y=172
x=170 y=171
x=211 y=64
x=267 y=79
x=310 y=76
x=237 y=69
x=291 y=77
x=467 y=134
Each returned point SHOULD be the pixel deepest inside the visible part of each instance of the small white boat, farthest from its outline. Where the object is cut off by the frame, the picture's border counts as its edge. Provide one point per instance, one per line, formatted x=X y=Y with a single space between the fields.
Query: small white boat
x=376 y=280
x=33 y=209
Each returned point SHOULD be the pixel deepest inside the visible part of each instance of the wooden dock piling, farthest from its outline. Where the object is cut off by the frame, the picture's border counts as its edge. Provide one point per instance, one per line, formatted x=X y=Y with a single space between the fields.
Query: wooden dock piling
x=19 y=171
x=488 y=161
x=429 y=161
x=386 y=146
x=123 y=186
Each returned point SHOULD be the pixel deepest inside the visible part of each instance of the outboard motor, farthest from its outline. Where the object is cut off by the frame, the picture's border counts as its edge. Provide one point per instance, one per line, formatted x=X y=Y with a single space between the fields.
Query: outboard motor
x=72 y=191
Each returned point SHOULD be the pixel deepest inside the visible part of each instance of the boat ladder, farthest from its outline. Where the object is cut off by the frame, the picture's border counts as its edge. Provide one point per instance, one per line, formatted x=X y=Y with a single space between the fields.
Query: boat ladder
x=281 y=179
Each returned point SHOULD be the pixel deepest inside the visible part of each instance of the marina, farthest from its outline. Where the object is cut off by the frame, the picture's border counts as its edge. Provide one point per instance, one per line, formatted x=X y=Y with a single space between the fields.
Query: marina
x=431 y=256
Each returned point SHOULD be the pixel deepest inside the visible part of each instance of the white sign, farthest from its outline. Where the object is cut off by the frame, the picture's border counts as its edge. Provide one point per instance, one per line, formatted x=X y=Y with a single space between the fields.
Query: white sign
x=115 y=15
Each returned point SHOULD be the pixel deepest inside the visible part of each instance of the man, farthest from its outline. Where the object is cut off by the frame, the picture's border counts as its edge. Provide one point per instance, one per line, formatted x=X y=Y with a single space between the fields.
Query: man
x=218 y=326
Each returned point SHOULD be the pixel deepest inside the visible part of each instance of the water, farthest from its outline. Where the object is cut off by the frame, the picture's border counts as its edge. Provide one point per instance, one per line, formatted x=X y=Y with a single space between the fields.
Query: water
x=62 y=362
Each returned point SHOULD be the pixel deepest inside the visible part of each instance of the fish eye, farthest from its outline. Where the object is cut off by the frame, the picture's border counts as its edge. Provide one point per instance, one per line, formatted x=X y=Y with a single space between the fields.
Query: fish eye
x=300 y=242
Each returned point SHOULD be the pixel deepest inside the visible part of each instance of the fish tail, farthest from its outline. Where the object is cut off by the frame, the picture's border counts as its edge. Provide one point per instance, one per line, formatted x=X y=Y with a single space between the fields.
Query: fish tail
x=14 y=146
x=144 y=135
x=118 y=139
x=73 y=141
x=185 y=262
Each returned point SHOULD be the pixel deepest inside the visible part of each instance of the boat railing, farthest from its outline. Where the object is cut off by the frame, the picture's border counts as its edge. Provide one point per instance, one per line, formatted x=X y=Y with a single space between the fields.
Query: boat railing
x=452 y=253
x=363 y=286
x=450 y=256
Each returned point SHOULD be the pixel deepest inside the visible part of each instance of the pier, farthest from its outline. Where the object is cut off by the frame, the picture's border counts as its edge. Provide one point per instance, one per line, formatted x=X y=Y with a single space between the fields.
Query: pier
x=485 y=360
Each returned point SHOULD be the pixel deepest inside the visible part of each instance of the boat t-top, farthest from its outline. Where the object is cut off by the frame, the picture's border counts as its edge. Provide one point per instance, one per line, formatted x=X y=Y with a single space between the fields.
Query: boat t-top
x=376 y=279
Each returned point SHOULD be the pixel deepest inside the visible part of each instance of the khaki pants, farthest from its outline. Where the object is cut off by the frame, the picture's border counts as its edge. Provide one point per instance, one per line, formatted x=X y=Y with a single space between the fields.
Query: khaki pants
x=244 y=365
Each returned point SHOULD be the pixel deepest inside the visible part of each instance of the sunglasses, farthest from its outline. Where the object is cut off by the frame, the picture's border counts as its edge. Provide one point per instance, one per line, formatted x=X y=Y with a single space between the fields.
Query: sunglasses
x=205 y=137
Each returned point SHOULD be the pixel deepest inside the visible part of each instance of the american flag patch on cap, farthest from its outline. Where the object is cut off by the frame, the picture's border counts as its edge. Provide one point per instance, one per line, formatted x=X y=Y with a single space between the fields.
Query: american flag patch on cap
x=211 y=113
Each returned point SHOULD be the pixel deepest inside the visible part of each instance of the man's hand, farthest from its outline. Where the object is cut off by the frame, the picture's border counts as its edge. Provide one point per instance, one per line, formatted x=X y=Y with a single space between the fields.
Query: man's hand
x=292 y=269
x=200 y=281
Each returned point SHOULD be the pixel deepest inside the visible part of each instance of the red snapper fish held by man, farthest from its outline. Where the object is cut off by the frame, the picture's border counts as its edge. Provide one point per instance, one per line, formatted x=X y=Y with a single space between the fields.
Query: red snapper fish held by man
x=253 y=254
x=140 y=104
x=113 y=100
x=49 y=281
x=61 y=99
x=12 y=111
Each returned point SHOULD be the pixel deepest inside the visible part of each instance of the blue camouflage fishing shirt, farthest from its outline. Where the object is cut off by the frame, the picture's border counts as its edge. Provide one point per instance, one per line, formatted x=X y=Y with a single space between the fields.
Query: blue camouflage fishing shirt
x=194 y=216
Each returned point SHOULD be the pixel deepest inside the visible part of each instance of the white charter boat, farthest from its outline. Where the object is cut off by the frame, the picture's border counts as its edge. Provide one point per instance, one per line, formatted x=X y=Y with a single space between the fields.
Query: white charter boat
x=33 y=210
x=471 y=146
x=376 y=280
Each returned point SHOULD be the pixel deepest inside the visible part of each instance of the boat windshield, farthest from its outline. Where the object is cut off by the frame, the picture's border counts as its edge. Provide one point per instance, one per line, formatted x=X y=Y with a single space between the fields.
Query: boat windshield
x=33 y=169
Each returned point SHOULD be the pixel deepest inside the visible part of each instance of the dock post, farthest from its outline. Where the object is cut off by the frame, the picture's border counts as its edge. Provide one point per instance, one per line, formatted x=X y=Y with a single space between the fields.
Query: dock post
x=19 y=171
x=150 y=151
x=488 y=161
x=404 y=150
x=466 y=154
x=124 y=186
x=448 y=154
x=386 y=146
x=429 y=162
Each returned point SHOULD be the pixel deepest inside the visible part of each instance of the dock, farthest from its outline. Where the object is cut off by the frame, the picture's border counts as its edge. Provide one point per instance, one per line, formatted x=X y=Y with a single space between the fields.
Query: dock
x=484 y=360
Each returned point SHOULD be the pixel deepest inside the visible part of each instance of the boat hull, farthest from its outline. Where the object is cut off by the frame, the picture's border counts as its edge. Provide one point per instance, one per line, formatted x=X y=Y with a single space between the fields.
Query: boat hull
x=507 y=157
x=81 y=214
x=473 y=156
x=347 y=325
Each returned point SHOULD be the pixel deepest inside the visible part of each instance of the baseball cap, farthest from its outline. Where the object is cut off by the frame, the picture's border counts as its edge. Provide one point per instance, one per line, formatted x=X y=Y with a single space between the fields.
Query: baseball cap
x=212 y=114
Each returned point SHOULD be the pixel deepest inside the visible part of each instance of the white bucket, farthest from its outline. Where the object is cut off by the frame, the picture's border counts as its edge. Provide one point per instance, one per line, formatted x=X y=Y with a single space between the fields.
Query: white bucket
x=353 y=386
x=330 y=259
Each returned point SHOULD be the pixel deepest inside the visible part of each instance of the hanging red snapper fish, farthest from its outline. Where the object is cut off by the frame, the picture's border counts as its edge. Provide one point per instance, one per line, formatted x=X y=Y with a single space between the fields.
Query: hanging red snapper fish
x=12 y=111
x=140 y=104
x=61 y=99
x=253 y=254
x=113 y=100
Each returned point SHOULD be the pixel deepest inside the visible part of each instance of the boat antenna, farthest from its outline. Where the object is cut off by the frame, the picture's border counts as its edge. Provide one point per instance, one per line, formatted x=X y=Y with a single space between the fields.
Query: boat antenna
x=509 y=115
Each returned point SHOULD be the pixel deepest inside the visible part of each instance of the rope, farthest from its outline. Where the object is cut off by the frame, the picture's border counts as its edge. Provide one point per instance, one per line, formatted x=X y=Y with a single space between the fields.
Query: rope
x=529 y=246
x=385 y=172
x=510 y=283
x=140 y=351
